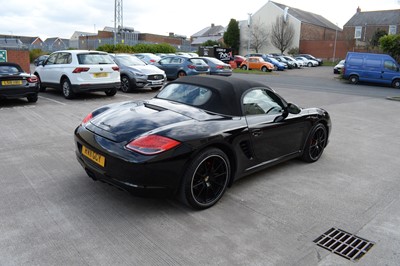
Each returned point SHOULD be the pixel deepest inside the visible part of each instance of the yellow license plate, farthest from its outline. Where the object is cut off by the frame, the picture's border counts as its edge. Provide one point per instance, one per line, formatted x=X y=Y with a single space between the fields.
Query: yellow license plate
x=11 y=82
x=100 y=75
x=95 y=157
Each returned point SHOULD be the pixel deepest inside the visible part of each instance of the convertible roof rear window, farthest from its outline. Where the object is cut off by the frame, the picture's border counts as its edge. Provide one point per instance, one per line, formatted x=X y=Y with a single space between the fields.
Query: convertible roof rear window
x=186 y=93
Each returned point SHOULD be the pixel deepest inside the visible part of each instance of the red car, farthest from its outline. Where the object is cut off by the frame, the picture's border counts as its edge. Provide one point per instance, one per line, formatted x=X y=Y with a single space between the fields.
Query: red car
x=238 y=59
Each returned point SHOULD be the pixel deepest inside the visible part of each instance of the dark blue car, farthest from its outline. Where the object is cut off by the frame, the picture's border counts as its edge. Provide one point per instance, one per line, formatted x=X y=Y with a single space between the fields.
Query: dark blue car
x=176 y=66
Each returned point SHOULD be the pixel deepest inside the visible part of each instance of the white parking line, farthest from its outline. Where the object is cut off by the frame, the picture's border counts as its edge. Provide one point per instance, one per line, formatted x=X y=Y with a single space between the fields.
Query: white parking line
x=52 y=100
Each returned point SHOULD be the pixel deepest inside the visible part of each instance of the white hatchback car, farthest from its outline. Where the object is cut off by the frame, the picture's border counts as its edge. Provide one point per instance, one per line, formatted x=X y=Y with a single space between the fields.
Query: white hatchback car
x=75 y=71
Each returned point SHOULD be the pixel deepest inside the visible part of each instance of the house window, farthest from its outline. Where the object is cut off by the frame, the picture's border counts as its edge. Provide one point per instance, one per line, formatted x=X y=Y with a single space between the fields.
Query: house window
x=357 y=33
x=392 y=29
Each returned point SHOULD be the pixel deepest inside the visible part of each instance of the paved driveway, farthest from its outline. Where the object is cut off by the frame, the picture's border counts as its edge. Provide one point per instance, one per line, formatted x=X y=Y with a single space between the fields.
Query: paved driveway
x=51 y=213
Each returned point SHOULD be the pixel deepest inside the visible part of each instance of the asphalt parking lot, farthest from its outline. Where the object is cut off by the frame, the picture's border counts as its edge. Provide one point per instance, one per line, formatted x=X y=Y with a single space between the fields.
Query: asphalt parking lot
x=51 y=213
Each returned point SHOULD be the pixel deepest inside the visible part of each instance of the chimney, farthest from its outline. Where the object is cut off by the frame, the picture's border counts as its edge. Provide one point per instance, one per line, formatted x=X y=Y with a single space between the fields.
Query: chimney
x=358 y=9
x=212 y=25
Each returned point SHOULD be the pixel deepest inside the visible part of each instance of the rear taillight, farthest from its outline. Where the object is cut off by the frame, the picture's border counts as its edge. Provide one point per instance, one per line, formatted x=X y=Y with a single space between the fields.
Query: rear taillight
x=152 y=144
x=81 y=69
x=191 y=66
x=32 y=79
x=152 y=61
x=115 y=68
x=220 y=67
x=87 y=118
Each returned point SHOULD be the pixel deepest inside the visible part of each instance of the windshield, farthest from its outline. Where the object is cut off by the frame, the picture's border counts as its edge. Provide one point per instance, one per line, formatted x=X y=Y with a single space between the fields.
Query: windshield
x=129 y=60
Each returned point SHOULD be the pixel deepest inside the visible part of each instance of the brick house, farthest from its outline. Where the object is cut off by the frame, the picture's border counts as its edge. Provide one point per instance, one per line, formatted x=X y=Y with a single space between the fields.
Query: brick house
x=313 y=33
x=361 y=28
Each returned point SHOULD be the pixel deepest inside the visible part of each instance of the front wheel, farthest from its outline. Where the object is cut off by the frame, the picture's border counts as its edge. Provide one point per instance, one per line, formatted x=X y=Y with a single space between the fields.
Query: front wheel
x=309 y=64
x=66 y=89
x=315 y=144
x=396 y=84
x=111 y=92
x=206 y=179
x=126 y=84
x=39 y=83
x=264 y=69
x=244 y=67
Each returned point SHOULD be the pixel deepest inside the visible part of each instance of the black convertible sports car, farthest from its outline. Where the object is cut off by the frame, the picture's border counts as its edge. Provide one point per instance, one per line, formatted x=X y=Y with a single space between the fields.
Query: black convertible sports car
x=197 y=136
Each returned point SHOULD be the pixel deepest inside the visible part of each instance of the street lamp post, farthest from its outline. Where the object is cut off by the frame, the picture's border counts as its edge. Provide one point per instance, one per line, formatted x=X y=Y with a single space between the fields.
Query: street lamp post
x=249 y=37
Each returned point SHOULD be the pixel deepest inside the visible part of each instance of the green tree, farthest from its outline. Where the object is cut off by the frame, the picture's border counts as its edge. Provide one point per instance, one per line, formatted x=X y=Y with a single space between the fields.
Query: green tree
x=377 y=35
x=390 y=44
x=211 y=43
x=232 y=36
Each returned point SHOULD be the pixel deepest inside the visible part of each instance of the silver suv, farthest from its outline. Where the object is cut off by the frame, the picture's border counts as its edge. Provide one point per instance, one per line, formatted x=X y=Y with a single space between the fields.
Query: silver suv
x=75 y=71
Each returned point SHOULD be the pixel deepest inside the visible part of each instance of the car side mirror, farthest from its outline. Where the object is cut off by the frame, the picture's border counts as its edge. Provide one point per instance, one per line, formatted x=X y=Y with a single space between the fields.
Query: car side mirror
x=293 y=108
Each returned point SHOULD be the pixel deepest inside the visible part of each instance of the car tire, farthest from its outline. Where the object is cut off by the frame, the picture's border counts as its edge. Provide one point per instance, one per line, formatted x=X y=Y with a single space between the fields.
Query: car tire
x=39 y=83
x=181 y=74
x=66 y=89
x=396 y=84
x=264 y=69
x=205 y=179
x=32 y=98
x=126 y=84
x=156 y=88
x=309 y=64
x=111 y=92
x=275 y=68
x=316 y=143
x=353 y=79
x=244 y=67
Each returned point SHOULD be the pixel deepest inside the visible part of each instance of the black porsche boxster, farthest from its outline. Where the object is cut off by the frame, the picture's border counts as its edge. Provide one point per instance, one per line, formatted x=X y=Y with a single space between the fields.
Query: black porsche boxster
x=196 y=137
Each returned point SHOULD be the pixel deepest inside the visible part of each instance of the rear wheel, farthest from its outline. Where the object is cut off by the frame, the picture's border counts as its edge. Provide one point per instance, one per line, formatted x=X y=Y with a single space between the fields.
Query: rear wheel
x=32 y=98
x=309 y=64
x=111 y=92
x=396 y=84
x=66 y=89
x=353 y=79
x=315 y=144
x=264 y=69
x=126 y=84
x=206 y=179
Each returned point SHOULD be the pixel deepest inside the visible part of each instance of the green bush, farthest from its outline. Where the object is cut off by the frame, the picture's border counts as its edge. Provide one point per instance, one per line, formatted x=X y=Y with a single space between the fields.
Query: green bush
x=35 y=53
x=138 y=48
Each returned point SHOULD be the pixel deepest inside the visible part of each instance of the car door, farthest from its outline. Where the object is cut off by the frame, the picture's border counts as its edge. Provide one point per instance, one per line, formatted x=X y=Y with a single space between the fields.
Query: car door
x=167 y=65
x=47 y=71
x=272 y=139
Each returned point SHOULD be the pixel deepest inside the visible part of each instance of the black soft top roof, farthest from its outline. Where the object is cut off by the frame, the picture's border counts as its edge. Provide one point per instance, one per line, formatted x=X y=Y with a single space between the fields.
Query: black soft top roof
x=227 y=92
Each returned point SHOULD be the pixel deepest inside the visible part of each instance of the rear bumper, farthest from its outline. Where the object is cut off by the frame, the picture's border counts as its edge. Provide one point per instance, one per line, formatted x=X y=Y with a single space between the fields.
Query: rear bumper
x=17 y=92
x=95 y=87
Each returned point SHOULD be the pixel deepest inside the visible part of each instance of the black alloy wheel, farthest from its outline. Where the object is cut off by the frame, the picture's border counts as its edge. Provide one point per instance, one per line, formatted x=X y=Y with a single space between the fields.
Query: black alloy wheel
x=126 y=85
x=316 y=143
x=206 y=179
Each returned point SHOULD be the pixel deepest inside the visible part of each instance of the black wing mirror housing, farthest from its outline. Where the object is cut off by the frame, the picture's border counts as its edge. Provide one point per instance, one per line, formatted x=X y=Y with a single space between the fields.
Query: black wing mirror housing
x=293 y=108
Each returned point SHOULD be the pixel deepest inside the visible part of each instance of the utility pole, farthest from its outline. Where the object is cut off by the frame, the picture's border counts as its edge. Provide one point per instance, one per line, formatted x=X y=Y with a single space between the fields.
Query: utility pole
x=118 y=18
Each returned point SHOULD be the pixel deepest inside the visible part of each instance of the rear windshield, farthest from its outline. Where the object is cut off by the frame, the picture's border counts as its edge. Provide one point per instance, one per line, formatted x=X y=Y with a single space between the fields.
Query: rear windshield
x=197 y=61
x=9 y=70
x=94 y=59
x=185 y=93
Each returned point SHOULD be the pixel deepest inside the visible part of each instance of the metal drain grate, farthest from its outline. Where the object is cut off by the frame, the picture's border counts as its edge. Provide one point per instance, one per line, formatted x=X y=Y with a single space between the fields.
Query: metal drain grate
x=344 y=244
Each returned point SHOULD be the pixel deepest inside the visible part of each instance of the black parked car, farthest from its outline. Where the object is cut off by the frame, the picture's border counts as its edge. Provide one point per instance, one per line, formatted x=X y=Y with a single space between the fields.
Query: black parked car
x=196 y=137
x=15 y=83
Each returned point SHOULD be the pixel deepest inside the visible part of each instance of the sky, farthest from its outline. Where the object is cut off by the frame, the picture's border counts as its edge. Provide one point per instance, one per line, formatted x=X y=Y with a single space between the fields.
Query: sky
x=50 y=18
